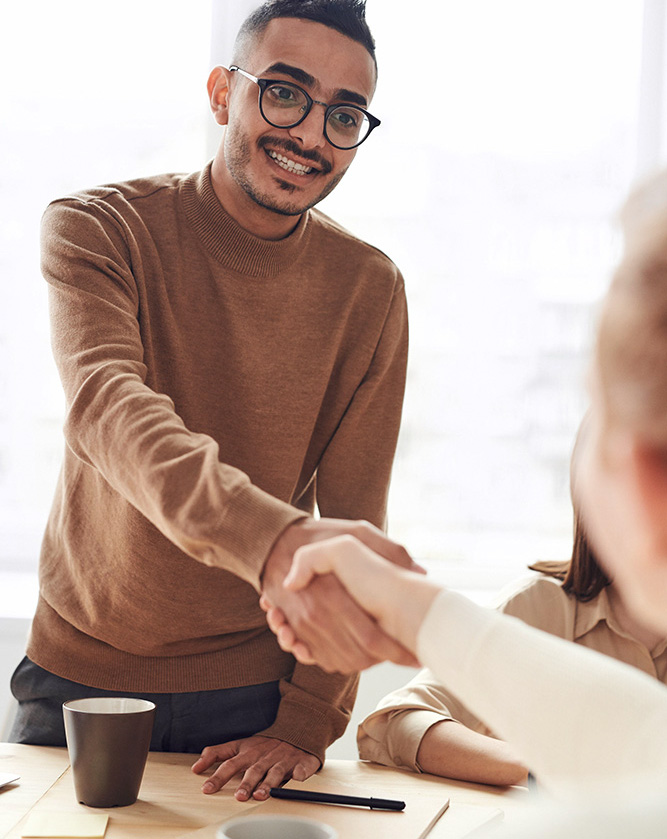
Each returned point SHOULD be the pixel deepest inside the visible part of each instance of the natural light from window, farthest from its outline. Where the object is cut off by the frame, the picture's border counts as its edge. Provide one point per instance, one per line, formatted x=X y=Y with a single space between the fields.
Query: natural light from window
x=508 y=139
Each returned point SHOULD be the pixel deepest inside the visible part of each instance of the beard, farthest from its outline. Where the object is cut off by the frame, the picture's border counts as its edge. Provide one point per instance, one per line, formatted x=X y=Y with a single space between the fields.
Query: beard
x=239 y=163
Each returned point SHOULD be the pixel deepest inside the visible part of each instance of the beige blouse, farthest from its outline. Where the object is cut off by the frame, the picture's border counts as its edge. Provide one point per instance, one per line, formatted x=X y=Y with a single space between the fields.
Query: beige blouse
x=392 y=733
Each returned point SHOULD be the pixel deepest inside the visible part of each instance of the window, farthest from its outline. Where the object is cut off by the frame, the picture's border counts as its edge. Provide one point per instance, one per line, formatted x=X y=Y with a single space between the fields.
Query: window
x=509 y=137
x=90 y=94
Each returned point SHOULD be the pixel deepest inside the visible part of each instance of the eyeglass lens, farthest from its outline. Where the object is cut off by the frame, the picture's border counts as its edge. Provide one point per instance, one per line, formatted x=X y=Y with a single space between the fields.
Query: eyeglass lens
x=284 y=105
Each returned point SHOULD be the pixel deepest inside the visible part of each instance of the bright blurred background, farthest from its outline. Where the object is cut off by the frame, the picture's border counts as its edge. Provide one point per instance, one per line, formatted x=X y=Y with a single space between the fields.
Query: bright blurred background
x=510 y=134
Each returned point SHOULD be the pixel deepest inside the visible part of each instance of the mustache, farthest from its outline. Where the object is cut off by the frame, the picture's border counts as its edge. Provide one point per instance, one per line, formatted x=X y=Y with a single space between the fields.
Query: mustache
x=291 y=147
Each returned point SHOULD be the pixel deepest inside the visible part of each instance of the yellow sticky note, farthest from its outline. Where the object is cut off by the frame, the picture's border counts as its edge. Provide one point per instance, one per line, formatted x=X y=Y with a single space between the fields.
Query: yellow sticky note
x=79 y=825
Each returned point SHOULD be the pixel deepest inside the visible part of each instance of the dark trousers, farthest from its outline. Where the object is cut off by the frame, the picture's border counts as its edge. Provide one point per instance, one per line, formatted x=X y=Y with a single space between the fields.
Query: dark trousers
x=184 y=722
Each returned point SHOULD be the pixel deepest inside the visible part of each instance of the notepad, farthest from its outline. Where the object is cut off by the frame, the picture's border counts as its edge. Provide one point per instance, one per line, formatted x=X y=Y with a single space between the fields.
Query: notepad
x=74 y=825
x=415 y=822
x=427 y=811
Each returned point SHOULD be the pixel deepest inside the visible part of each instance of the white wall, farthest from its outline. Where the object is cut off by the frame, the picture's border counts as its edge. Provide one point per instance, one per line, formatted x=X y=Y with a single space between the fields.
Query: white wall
x=373 y=685
x=13 y=634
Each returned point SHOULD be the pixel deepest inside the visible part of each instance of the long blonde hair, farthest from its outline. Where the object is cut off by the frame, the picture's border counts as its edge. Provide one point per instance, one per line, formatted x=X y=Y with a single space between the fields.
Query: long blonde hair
x=631 y=349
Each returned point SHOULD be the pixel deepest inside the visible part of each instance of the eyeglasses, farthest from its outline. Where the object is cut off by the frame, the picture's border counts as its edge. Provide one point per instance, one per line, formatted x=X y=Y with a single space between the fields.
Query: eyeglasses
x=285 y=105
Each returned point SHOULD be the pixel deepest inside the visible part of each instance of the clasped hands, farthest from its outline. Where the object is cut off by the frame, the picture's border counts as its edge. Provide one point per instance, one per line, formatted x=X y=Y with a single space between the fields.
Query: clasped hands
x=332 y=590
x=313 y=614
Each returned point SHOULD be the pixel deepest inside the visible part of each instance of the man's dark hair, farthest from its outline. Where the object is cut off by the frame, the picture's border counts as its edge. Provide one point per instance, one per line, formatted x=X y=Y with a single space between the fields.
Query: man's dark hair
x=345 y=16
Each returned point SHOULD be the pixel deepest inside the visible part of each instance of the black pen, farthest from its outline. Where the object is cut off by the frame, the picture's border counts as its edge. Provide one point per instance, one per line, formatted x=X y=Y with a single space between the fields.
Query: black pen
x=329 y=798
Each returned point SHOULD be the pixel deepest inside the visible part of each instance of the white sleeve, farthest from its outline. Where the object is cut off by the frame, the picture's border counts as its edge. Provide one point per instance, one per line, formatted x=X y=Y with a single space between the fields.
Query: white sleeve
x=572 y=714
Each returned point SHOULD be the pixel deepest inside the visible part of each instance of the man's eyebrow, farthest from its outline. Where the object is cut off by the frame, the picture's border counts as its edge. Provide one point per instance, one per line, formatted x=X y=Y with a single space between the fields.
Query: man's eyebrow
x=344 y=95
x=296 y=73
x=299 y=75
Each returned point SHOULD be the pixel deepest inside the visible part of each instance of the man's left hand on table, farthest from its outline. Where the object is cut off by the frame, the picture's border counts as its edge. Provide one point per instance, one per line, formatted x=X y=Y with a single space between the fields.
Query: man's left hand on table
x=264 y=761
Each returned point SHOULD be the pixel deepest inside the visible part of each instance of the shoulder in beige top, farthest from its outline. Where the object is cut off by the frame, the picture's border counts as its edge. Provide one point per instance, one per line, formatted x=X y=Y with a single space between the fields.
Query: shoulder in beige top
x=391 y=734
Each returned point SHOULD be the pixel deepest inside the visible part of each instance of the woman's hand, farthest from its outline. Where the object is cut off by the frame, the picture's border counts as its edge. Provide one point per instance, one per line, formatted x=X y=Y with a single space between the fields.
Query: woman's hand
x=394 y=597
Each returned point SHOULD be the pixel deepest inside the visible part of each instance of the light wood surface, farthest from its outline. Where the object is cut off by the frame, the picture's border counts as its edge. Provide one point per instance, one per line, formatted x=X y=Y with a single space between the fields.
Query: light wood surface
x=171 y=803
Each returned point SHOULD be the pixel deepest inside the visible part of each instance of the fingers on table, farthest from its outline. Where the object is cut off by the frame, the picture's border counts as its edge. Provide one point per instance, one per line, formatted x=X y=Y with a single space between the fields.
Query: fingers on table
x=264 y=762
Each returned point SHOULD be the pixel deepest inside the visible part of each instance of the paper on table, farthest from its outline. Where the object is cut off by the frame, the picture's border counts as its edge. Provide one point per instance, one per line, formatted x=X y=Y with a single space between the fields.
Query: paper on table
x=8 y=779
x=77 y=825
x=465 y=819
x=415 y=822
x=459 y=820
x=435 y=818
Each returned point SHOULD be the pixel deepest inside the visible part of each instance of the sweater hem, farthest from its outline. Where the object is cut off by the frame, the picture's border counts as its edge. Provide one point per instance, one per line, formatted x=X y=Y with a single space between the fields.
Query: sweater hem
x=57 y=646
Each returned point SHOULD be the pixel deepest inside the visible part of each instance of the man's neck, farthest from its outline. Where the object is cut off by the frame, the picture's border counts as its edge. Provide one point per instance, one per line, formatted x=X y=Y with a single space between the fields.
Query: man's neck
x=261 y=222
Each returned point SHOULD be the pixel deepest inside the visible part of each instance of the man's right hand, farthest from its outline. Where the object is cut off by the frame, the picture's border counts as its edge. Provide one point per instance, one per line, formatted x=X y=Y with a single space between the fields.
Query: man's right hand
x=340 y=635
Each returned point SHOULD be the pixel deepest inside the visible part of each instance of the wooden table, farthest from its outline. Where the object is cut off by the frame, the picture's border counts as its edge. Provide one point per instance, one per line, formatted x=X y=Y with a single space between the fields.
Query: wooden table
x=171 y=803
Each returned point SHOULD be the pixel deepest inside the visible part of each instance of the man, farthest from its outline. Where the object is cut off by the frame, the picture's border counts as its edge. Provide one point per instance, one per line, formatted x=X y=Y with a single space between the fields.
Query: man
x=232 y=360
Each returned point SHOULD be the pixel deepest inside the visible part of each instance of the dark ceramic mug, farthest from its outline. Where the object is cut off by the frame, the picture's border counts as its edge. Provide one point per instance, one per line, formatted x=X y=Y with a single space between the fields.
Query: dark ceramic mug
x=108 y=740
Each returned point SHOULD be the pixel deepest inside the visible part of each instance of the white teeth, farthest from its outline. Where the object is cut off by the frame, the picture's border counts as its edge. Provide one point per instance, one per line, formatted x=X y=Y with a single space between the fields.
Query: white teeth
x=290 y=165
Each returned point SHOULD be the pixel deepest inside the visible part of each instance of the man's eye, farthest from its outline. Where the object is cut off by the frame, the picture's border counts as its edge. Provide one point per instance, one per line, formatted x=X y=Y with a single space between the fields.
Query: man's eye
x=345 y=119
x=282 y=95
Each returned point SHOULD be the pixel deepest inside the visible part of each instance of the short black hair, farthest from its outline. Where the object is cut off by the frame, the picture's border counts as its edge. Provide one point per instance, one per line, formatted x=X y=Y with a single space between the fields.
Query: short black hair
x=345 y=16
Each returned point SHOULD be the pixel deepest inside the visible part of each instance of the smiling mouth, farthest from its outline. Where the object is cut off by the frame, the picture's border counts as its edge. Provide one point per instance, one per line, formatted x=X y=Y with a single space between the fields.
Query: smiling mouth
x=290 y=165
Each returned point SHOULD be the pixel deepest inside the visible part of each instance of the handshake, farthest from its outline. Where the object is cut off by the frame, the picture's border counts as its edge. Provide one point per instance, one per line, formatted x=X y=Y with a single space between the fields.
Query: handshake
x=341 y=595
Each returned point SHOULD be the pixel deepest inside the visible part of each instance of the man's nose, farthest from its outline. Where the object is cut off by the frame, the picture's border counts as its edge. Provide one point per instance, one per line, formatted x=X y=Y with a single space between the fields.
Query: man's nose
x=310 y=132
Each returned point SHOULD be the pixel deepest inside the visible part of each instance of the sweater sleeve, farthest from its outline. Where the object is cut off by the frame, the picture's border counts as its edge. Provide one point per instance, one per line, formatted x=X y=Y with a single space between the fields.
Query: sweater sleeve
x=354 y=473
x=352 y=483
x=601 y=715
x=124 y=429
x=392 y=733
x=325 y=700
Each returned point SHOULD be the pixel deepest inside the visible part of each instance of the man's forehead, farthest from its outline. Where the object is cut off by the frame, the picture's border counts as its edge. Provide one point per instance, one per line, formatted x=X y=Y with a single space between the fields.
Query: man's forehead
x=328 y=60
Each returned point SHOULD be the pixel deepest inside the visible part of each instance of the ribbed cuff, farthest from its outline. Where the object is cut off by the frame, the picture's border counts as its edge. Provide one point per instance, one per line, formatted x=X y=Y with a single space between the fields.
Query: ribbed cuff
x=311 y=728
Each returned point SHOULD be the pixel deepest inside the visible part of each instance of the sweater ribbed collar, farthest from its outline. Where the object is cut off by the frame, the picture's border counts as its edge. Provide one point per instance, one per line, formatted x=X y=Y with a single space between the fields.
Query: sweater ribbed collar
x=228 y=242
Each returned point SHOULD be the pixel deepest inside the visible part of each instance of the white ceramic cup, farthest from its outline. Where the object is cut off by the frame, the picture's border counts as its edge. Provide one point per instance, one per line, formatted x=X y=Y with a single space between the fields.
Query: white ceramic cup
x=275 y=827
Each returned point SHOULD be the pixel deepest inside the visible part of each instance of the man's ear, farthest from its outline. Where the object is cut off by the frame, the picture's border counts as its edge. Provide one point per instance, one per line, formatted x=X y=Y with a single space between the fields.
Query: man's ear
x=649 y=477
x=218 y=94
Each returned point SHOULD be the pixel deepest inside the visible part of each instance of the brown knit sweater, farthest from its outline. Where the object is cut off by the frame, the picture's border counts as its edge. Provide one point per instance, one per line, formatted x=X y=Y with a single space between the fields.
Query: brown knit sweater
x=218 y=387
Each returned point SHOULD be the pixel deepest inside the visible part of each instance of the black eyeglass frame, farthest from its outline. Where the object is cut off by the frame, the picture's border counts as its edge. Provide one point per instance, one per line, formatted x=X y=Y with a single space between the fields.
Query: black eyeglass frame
x=263 y=84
